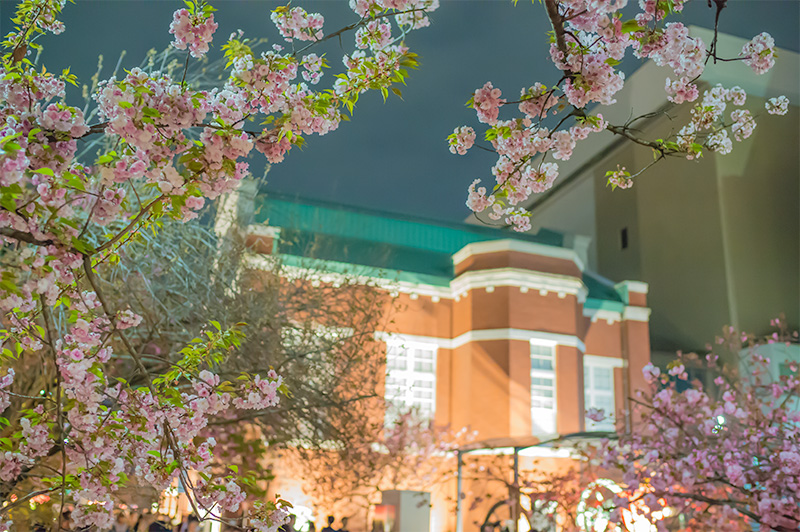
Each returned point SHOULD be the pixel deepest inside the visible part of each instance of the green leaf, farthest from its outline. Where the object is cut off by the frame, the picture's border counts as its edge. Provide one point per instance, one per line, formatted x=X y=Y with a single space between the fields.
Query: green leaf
x=149 y=111
x=631 y=26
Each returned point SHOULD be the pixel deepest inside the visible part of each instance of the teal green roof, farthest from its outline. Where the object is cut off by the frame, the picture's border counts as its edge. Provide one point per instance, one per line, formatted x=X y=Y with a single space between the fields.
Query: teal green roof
x=602 y=293
x=401 y=247
x=387 y=228
x=381 y=240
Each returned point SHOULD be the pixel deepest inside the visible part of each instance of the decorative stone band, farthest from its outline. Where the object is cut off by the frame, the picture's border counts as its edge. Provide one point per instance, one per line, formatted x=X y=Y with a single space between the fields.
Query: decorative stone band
x=636 y=314
x=632 y=292
x=494 y=246
x=605 y=362
x=523 y=279
x=333 y=272
x=326 y=271
x=483 y=335
x=597 y=314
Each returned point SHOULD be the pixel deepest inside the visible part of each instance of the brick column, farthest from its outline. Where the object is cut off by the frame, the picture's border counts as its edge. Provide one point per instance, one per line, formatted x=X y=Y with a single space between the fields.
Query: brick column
x=570 y=409
x=635 y=330
x=519 y=388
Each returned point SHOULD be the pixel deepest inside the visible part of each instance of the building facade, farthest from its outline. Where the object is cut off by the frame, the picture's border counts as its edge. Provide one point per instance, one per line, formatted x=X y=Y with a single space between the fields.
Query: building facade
x=506 y=334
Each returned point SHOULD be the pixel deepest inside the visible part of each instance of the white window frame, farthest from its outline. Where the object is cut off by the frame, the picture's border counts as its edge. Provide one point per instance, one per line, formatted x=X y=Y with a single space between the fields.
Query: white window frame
x=592 y=396
x=403 y=399
x=543 y=418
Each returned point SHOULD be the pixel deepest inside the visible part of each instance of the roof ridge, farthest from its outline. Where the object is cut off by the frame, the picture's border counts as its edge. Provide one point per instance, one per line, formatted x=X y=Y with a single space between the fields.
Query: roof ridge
x=502 y=233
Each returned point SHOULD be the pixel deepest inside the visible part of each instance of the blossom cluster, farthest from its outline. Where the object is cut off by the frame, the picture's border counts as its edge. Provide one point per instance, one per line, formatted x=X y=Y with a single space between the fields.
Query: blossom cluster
x=590 y=40
x=164 y=148
x=193 y=31
x=735 y=444
x=296 y=23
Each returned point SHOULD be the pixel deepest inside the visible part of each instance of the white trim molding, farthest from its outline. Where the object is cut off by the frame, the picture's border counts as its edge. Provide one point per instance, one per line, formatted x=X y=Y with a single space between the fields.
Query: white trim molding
x=319 y=272
x=539 y=337
x=604 y=362
x=412 y=339
x=637 y=287
x=521 y=246
x=516 y=277
x=597 y=314
x=482 y=335
x=636 y=314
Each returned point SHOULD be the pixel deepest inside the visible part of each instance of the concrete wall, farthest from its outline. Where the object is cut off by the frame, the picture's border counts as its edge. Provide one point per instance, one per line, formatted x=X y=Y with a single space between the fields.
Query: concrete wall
x=716 y=239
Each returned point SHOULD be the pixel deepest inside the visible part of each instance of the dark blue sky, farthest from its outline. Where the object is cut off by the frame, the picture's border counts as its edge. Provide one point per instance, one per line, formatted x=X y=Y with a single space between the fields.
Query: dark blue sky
x=392 y=156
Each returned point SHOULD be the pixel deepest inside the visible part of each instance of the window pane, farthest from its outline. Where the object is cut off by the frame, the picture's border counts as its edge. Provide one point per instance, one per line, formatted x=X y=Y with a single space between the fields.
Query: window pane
x=424 y=354
x=541 y=363
x=421 y=365
x=410 y=379
x=602 y=379
x=542 y=389
x=606 y=403
x=544 y=350
x=395 y=381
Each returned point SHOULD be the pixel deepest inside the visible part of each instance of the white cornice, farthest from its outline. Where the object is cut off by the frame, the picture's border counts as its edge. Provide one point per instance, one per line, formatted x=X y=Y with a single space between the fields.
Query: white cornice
x=521 y=246
x=606 y=362
x=413 y=339
x=320 y=271
x=544 y=282
x=637 y=287
x=518 y=334
x=597 y=314
x=636 y=314
x=525 y=280
x=485 y=335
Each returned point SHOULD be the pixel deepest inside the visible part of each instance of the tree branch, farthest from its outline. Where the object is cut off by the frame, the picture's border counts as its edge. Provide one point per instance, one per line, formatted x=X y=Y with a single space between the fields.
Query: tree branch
x=128 y=227
x=51 y=340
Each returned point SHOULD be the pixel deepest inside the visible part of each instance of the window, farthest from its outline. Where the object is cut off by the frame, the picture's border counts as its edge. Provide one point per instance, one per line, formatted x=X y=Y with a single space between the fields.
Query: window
x=543 y=389
x=623 y=238
x=598 y=386
x=411 y=378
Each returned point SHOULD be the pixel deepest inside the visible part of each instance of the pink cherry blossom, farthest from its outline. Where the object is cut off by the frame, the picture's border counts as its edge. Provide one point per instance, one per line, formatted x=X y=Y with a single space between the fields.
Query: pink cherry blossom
x=461 y=140
x=296 y=23
x=487 y=102
x=777 y=106
x=759 y=53
x=192 y=31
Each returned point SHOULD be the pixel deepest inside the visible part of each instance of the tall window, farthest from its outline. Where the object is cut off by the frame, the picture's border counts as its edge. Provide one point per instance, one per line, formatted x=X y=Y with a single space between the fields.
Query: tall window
x=543 y=389
x=598 y=386
x=411 y=378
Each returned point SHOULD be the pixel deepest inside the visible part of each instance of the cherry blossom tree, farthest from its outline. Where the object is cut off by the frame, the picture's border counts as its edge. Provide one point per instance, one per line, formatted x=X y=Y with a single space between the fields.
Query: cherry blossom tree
x=546 y=495
x=724 y=457
x=407 y=454
x=165 y=148
x=590 y=39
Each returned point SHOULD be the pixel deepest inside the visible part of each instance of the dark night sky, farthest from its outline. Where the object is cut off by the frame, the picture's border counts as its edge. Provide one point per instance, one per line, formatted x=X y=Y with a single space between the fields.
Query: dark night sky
x=391 y=156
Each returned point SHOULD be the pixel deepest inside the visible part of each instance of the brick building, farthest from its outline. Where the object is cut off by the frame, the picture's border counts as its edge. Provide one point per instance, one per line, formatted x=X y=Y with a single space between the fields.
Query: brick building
x=507 y=334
